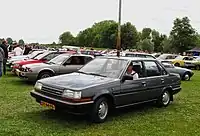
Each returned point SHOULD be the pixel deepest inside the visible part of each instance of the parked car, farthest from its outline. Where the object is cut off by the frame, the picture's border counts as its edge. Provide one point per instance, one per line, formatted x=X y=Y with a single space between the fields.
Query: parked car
x=138 y=54
x=184 y=61
x=102 y=84
x=32 y=55
x=184 y=73
x=62 y=64
x=91 y=52
x=45 y=57
x=167 y=56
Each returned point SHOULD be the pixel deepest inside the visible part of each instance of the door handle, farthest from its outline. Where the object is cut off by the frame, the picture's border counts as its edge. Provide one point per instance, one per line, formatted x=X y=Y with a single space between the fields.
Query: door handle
x=162 y=80
x=144 y=83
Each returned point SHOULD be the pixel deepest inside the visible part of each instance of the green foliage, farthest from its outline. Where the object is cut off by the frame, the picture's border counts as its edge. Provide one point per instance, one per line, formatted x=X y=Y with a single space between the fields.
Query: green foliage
x=21 y=42
x=129 y=36
x=183 y=35
x=146 y=33
x=146 y=45
x=9 y=40
x=67 y=38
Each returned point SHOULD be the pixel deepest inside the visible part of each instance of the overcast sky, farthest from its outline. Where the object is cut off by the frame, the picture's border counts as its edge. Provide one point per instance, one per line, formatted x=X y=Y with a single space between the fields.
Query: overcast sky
x=44 y=20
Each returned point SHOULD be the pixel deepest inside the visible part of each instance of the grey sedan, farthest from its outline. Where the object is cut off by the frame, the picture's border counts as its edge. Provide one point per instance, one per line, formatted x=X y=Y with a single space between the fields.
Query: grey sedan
x=62 y=64
x=184 y=73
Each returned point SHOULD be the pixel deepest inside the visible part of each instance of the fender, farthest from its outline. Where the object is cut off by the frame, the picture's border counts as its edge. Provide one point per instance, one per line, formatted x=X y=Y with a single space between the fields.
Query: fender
x=47 y=69
x=102 y=93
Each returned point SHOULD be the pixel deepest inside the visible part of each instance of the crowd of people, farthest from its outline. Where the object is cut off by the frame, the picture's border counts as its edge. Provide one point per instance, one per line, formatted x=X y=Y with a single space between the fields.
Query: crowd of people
x=15 y=49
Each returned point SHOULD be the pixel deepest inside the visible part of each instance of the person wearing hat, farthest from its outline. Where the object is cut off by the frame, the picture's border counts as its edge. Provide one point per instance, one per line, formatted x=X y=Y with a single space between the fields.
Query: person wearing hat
x=130 y=71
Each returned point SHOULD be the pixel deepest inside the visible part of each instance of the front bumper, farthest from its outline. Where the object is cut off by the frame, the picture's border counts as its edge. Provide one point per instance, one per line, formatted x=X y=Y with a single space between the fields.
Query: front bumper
x=176 y=90
x=74 y=108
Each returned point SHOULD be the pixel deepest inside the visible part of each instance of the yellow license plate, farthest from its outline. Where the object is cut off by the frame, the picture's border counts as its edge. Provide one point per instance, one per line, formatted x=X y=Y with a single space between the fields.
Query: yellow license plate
x=48 y=105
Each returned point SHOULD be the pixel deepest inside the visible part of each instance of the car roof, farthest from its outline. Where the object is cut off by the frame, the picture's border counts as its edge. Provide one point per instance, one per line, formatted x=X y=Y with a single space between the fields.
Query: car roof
x=142 y=53
x=77 y=54
x=128 y=58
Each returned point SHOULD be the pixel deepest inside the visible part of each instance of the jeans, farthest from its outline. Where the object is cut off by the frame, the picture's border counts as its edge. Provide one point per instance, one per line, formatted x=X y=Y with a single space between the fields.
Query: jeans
x=1 y=63
x=4 y=66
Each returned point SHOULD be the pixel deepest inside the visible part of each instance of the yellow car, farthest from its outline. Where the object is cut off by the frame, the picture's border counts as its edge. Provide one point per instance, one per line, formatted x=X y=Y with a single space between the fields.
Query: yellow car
x=184 y=61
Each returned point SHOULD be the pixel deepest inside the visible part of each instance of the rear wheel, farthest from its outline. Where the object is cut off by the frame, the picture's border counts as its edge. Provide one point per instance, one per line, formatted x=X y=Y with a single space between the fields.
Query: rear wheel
x=45 y=74
x=186 y=76
x=100 y=110
x=177 y=64
x=164 y=99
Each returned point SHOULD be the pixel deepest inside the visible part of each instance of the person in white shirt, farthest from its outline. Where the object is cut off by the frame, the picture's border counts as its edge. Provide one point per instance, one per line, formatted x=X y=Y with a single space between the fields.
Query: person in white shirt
x=18 y=51
x=131 y=72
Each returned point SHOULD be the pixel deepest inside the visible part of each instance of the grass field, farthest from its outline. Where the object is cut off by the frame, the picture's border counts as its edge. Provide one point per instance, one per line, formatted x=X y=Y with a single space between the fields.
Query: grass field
x=20 y=115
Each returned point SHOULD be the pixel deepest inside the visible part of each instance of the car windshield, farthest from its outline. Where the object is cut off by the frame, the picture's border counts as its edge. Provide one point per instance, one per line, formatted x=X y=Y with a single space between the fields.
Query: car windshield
x=105 y=67
x=34 y=54
x=59 y=59
x=41 y=55
x=179 y=58
x=168 y=65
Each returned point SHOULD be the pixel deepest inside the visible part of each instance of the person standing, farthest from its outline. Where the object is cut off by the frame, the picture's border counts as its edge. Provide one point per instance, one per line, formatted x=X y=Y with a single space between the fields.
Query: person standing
x=2 y=56
x=5 y=49
x=18 y=51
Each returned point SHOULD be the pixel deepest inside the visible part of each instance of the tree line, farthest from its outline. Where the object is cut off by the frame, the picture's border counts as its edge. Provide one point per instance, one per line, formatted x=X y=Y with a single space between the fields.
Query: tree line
x=104 y=35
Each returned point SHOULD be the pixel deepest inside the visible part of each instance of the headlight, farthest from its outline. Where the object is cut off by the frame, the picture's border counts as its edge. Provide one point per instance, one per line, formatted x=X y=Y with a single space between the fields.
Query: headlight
x=71 y=94
x=38 y=86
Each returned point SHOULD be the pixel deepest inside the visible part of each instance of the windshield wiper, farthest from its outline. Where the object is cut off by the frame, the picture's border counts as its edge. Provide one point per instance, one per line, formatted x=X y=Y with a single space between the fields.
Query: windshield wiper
x=94 y=74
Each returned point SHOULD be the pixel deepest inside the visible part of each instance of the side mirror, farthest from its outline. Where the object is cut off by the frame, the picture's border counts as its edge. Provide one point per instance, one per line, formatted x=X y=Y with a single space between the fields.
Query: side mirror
x=127 y=77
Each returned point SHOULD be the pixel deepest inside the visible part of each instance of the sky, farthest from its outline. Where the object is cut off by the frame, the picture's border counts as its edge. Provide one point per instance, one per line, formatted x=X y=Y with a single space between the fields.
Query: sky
x=44 y=20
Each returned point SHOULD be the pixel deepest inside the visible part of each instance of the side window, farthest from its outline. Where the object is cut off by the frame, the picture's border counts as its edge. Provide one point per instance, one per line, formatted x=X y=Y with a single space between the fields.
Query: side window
x=138 y=68
x=75 y=60
x=141 y=56
x=87 y=59
x=162 y=70
x=152 y=68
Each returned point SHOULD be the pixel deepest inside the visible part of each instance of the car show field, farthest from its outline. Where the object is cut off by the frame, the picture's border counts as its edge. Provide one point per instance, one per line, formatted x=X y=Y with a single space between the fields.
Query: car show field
x=20 y=115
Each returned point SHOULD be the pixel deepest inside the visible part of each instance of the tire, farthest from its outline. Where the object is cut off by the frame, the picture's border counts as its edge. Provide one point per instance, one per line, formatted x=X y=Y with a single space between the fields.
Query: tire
x=45 y=74
x=186 y=76
x=177 y=64
x=100 y=110
x=164 y=99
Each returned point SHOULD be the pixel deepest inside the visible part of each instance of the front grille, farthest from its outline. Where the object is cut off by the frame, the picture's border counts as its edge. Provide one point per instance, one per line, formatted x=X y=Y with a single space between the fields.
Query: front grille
x=49 y=91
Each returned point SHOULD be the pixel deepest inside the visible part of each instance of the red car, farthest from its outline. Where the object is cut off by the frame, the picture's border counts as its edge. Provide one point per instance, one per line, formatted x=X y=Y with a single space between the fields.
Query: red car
x=45 y=57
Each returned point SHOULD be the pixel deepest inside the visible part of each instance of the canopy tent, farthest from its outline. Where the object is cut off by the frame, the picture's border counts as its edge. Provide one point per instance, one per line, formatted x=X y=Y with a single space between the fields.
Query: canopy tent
x=195 y=51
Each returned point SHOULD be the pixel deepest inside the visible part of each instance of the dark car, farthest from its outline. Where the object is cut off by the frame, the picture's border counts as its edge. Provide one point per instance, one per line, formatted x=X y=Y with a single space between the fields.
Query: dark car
x=184 y=73
x=102 y=84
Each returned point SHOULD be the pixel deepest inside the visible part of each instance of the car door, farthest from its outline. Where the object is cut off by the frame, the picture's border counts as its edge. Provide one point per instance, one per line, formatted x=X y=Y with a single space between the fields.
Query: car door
x=73 y=64
x=155 y=79
x=133 y=91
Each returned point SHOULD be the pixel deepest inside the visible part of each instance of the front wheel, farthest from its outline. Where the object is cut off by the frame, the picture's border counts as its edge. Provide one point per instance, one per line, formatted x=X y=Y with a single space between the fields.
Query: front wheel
x=164 y=99
x=197 y=67
x=45 y=74
x=99 y=110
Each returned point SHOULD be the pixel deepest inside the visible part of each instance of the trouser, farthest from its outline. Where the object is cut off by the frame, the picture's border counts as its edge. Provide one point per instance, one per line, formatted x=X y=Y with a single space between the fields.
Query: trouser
x=1 y=63
x=4 y=66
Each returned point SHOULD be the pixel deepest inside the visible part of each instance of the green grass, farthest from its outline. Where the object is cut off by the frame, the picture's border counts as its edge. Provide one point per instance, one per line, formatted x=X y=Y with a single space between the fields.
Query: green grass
x=20 y=115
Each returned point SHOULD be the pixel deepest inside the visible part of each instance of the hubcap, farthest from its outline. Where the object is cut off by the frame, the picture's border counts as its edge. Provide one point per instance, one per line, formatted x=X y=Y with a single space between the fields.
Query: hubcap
x=166 y=98
x=103 y=110
x=45 y=76
x=187 y=77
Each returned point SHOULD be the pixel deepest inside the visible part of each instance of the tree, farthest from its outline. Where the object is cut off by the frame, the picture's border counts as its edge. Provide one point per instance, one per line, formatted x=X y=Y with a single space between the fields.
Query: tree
x=183 y=35
x=146 y=33
x=85 y=37
x=129 y=36
x=157 y=40
x=146 y=45
x=21 y=42
x=67 y=38
x=9 y=40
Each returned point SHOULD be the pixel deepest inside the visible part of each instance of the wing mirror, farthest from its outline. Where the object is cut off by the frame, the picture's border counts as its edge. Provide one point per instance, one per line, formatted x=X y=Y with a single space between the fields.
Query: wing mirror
x=127 y=77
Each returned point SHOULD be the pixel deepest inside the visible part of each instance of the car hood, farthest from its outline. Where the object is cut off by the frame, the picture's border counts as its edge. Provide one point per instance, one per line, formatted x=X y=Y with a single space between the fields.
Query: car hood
x=76 y=81
x=23 y=62
x=37 y=65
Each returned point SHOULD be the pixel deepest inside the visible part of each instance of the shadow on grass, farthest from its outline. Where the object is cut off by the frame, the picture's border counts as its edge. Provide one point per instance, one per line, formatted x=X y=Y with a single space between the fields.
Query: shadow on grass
x=18 y=82
x=62 y=118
